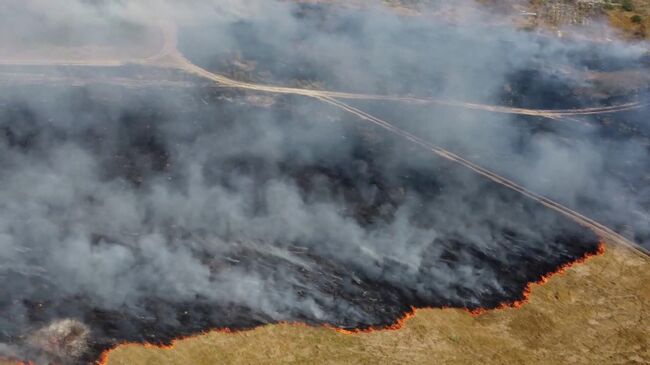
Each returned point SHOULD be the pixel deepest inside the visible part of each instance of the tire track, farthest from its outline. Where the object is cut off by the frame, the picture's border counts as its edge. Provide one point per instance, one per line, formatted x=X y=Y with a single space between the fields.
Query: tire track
x=170 y=57
x=597 y=227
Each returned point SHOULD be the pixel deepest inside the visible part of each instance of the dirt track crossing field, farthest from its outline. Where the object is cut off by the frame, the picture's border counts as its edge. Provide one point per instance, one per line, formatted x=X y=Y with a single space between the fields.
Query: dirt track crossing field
x=170 y=57
x=329 y=97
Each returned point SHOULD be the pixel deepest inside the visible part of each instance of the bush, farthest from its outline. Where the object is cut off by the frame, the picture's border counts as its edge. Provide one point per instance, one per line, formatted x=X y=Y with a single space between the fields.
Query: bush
x=627 y=5
x=636 y=19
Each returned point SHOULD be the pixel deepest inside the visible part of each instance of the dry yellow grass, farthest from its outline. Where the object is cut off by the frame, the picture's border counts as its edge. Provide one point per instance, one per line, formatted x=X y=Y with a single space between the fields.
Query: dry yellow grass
x=595 y=313
x=623 y=20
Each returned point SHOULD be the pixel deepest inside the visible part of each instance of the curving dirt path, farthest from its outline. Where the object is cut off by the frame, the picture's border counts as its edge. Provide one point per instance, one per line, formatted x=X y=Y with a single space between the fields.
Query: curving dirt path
x=184 y=64
x=170 y=57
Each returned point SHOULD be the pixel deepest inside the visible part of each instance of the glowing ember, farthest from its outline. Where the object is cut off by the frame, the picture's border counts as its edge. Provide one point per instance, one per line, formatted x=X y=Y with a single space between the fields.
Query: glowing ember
x=14 y=362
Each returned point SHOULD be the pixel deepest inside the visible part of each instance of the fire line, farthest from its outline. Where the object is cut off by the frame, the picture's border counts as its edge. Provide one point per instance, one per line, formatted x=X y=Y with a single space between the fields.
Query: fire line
x=400 y=322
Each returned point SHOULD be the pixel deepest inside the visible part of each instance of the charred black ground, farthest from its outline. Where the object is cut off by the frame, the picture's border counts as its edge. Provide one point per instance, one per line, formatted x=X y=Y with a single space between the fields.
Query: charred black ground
x=135 y=149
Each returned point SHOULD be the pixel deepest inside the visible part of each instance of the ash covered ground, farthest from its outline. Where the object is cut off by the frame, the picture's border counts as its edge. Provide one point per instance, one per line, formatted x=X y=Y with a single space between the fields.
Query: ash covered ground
x=151 y=213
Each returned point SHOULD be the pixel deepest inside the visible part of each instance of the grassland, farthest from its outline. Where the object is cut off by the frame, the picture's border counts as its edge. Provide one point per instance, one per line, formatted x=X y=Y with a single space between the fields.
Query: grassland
x=633 y=20
x=594 y=313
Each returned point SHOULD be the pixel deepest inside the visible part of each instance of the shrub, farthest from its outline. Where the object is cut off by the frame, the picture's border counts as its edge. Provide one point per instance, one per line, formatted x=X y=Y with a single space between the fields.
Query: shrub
x=636 y=19
x=627 y=5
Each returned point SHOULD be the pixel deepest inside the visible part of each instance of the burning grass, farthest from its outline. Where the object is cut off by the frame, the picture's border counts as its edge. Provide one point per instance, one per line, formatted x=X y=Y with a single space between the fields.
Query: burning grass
x=572 y=318
x=397 y=325
x=380 y=298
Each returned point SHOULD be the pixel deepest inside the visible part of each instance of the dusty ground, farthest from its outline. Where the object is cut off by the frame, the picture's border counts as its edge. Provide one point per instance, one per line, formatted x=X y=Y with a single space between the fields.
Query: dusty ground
x=595 y=313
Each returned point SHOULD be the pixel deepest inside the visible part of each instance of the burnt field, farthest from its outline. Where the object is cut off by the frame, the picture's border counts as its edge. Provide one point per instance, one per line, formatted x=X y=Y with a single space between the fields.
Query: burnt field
x=376 y=51
x=598 y=164
x=152 y=214
x=142 y=204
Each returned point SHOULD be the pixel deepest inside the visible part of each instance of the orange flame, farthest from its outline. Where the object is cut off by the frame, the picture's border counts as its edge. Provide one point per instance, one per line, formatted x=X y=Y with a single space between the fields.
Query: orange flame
x=543 y=280
x=15 y=362
x=399 y=323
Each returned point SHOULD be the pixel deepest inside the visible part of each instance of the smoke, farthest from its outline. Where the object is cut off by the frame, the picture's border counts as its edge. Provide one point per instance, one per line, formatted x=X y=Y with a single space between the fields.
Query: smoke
x=64 y=340
x=160 y=211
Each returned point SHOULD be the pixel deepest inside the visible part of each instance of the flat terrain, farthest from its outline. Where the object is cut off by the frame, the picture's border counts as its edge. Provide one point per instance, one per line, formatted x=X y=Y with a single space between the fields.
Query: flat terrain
x=597 y=312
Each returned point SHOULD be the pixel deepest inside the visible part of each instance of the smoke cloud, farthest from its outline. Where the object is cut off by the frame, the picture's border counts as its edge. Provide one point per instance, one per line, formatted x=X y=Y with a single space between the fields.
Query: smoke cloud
x=153 y=211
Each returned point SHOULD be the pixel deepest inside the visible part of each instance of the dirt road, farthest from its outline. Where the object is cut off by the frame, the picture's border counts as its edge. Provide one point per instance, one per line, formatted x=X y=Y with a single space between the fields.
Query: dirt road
x=170 y=57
